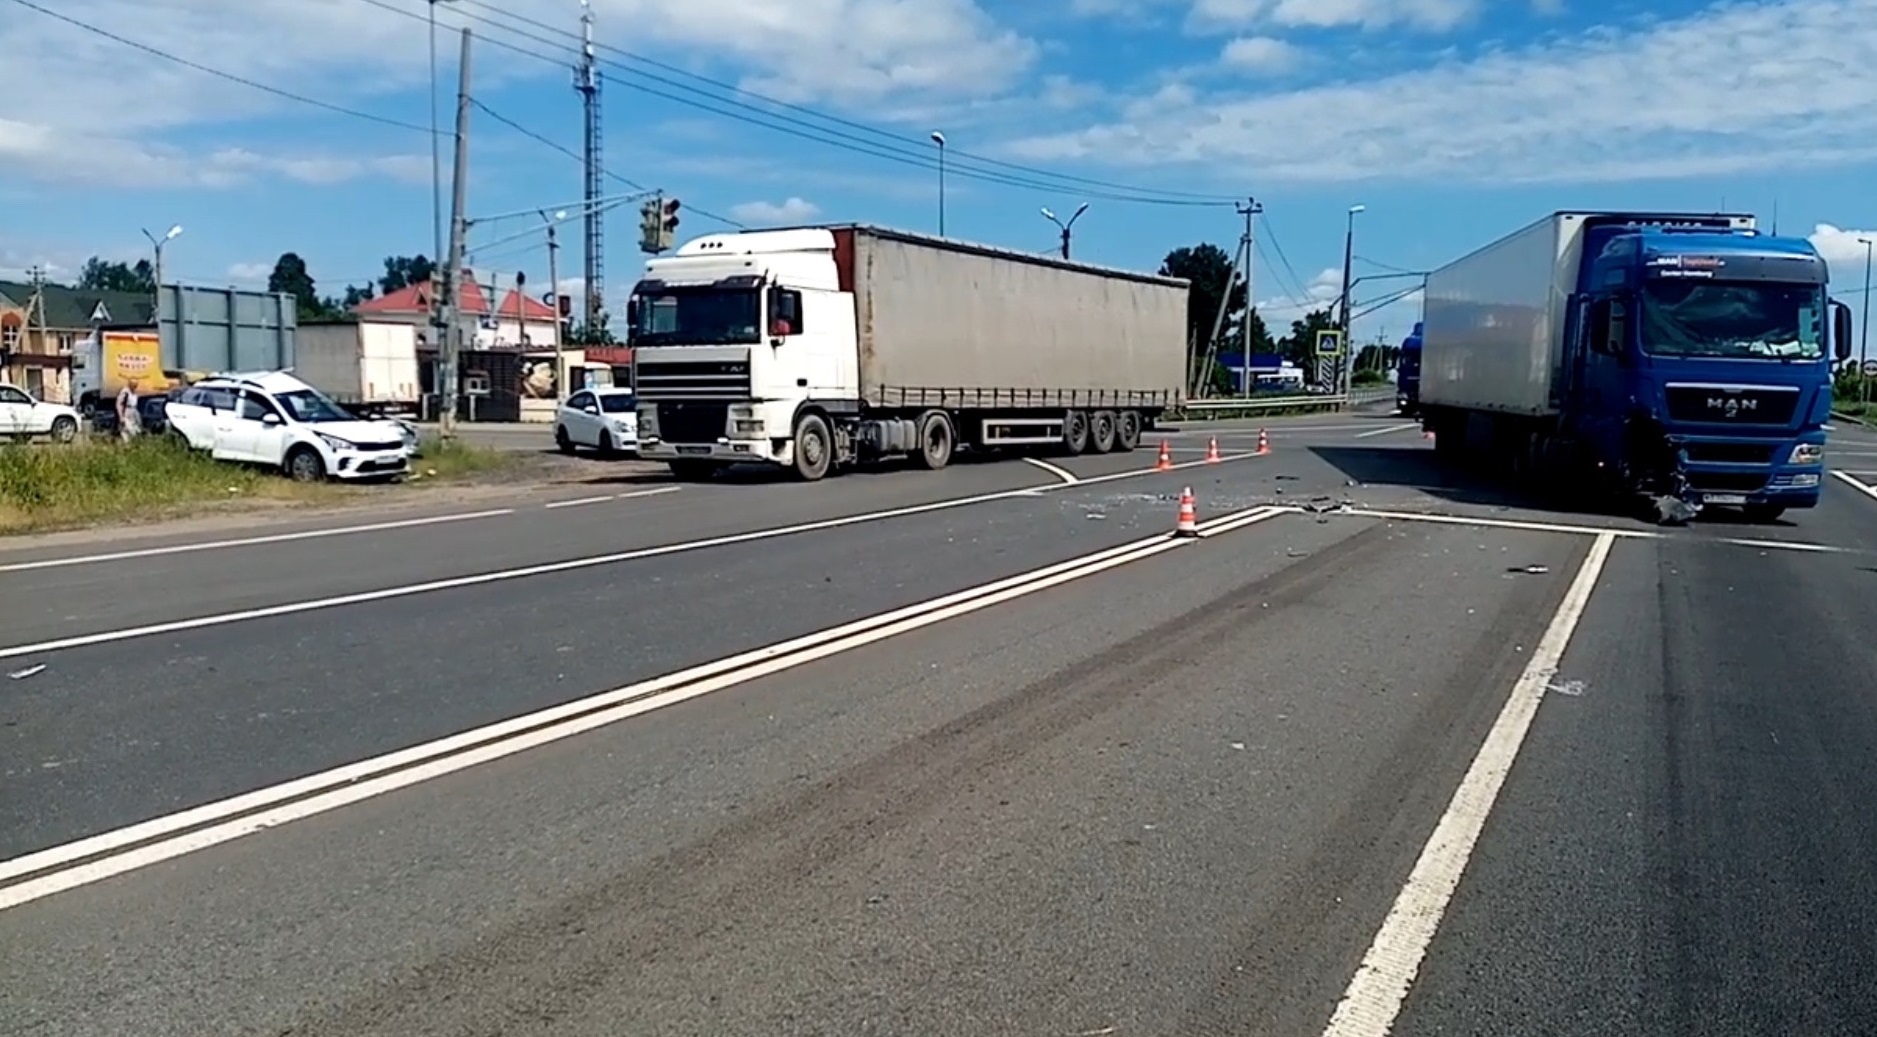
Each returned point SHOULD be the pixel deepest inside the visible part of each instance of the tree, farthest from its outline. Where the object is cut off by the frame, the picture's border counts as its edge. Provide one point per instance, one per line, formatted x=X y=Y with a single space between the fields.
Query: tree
x=355 y=294
x=1209 y=268
x=291 y=277
x=99 y=275
x=404 y=271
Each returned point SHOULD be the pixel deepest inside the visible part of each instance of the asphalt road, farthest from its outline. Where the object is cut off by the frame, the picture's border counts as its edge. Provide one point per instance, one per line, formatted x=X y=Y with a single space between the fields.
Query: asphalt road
x=1186 y=790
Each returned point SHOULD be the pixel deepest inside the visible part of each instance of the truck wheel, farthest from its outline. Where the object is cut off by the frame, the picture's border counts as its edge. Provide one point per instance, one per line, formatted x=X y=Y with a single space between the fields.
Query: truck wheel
x=692 y=471
x=303 y=464
x=814 y=448
x=1075 y=432
x=1127 y=430
x=1101 y=435
x=1763 y=513
x=936 y=440
x=64 y=430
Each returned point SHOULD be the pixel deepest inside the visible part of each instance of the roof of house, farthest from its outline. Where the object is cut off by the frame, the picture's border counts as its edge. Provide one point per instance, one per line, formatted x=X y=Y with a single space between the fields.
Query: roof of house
x=416 y=299
x=71 y=309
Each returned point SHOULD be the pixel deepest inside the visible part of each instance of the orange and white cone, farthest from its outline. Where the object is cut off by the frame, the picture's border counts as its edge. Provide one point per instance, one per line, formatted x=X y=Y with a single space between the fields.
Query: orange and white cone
x=1166 y=456
x=1188 y=525
x=1264 y=442
x=1212 y=450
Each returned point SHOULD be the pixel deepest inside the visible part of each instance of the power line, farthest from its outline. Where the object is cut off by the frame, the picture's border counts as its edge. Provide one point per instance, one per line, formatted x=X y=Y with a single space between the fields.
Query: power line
x=219 y=74
x=796 y=127
x=887 y=135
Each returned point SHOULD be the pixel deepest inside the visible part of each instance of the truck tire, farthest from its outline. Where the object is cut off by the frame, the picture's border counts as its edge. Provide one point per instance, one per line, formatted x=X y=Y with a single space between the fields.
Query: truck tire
x=814 y=448
x=691 y=470
x=1101 y=431
x=1127 y=431
x=1075 y=432
x=936 y=441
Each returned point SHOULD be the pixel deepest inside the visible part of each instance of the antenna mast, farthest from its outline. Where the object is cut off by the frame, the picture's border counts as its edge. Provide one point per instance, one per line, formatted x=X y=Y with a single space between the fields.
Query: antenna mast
x=587 y=83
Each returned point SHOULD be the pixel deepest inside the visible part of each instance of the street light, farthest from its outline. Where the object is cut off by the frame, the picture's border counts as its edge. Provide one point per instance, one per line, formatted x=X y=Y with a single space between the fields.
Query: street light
x=1863 y=349
x=1066 y=227
x=1349 y=252
x=553 y=301
x=939 y=139
x=436 y=154
x=158 y=243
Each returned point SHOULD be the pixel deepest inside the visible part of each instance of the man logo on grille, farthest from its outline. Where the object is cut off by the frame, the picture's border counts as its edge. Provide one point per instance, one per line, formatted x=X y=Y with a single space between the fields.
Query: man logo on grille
x=1732 y=406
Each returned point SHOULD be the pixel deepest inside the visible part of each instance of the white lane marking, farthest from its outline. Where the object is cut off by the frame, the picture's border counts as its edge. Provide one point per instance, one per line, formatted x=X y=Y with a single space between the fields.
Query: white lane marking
x=1386 y=431
x=1061 y=473
x=1560 y=527
x=267 y=808
x=1374 y=996
x=603 y=498
x=1857 y=484
x=547 y=568
x=274 y=538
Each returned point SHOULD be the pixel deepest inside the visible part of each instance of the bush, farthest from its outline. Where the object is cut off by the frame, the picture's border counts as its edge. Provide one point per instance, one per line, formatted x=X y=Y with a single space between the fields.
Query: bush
x=1368 y=377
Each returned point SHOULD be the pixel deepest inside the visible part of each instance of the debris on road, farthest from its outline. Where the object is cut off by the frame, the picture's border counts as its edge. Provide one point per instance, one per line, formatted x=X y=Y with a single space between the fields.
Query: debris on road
x=1573 y=688
x=1534 y=570
x=20 y=675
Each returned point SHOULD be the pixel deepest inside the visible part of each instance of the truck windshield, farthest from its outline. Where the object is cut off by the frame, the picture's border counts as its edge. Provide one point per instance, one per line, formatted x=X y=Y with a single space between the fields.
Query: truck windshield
x=1733 y=320
x=699 y=317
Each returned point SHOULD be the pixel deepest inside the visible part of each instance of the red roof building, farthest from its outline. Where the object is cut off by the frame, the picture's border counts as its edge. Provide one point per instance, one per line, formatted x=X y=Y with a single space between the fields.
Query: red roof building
x=415 y=299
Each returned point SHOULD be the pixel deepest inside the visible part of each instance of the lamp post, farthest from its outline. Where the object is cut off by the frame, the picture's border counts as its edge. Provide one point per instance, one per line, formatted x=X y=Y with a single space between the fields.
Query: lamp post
x=1349 y=251
x=1065 y=227
x=939 y=139
x=157 y=244
x=1863 y=348
x=436 y=153
x=553 y=302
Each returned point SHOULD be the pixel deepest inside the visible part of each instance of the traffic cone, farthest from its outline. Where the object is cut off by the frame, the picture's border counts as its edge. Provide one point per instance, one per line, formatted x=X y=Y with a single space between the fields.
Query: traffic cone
x=1188 y=525
x=1212 y=450
x=1264 y=442
x=1166 y=456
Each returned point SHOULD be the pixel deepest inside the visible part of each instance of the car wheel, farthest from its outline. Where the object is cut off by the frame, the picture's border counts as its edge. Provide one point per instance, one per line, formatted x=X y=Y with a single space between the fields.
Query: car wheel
x=563 y=440
x=64 y=429
x=304 y=464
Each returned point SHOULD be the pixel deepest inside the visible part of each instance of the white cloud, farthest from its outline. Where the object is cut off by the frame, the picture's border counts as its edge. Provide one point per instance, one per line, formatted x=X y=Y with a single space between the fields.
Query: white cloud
x=1736 y=88
x=66 y=86
x=791 y=210
x=1260 y=54
x=1844 y=252
x=1427 y=15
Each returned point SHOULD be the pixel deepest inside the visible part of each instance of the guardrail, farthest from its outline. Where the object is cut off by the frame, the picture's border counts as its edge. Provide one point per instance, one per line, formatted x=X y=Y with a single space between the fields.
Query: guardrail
x=1305 y=401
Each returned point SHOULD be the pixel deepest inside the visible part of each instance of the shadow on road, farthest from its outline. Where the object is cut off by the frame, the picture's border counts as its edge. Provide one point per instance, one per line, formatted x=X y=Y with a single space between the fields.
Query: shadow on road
x=1414 y=468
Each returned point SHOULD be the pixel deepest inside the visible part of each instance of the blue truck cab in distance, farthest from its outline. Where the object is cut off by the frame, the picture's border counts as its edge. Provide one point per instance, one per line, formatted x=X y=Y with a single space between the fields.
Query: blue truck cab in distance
x=1408 y=374
x=1675 y=356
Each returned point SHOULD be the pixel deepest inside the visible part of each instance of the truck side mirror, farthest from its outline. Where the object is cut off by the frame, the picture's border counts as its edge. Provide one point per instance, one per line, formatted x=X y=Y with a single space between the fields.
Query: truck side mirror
x=1840 y=331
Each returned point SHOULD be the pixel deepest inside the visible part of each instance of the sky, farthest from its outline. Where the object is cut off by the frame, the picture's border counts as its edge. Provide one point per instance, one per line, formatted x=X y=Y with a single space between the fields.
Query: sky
x=266 y=126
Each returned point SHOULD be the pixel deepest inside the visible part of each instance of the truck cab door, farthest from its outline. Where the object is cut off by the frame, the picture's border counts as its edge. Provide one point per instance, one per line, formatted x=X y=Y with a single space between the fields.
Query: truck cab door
x=1602 y=385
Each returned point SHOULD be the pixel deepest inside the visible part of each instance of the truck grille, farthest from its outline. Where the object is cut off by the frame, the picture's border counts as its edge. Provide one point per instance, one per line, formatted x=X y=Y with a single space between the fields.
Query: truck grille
x=692 y=422
x=1732 y=404
x=1729 y=453
x=693 y=379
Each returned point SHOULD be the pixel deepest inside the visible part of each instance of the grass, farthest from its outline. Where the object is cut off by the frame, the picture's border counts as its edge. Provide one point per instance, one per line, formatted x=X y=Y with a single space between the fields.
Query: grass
x=59 y=486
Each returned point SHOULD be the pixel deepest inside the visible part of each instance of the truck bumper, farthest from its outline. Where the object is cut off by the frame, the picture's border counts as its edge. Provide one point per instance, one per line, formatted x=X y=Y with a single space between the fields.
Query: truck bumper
x=724 y=451
x=1775 y=482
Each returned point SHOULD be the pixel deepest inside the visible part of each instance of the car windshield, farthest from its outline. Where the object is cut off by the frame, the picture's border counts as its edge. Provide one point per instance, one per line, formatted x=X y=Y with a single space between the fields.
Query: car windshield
x=618 y=403
x=698 y=317
x=310 y=407
x=1733 y=320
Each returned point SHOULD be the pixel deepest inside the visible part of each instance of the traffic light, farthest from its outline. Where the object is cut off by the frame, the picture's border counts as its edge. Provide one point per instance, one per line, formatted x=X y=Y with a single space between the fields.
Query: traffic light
x=668 y=225
x=658 y=225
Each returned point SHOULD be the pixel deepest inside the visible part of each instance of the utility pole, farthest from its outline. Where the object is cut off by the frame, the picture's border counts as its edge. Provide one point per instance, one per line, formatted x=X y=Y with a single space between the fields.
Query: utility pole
x=1863 y=349
x=1349 y=254
x=36 y=313
x=553 y=302
x=450 y=367
x=587 y=83
x=1248 y=243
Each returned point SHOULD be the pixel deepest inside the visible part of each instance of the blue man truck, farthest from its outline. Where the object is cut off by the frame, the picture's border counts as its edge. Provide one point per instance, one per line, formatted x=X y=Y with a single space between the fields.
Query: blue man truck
x=1408 y=374
x=1682 y=360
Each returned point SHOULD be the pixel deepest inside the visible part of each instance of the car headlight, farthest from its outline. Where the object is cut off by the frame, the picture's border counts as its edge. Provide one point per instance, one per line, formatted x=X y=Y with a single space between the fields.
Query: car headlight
x=1808 y=453
x=335 y=443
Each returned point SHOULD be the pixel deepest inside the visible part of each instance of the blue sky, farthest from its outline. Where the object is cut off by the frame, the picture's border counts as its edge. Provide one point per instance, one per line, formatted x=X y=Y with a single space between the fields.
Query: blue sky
x=1451 y=121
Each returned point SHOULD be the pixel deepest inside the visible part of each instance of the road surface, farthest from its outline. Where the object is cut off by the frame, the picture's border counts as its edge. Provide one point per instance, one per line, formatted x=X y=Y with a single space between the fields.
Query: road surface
x=977 y=751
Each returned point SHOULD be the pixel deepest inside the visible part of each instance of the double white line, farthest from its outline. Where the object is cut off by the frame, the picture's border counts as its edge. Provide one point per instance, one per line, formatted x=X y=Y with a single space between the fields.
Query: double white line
x=36 y=875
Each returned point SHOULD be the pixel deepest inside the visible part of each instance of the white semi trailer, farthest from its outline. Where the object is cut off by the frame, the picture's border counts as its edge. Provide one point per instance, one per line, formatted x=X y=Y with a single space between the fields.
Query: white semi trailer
x=817 y=348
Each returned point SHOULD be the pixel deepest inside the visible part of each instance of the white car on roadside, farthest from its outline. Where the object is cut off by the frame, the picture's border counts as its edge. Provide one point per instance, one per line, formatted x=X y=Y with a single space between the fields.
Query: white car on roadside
x=22 y=416
x=605 y=419
x=276 y=420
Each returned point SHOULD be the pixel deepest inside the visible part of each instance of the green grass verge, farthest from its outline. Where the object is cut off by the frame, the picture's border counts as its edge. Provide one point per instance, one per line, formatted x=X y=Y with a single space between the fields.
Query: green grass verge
x=456 y=459
x=59 y=486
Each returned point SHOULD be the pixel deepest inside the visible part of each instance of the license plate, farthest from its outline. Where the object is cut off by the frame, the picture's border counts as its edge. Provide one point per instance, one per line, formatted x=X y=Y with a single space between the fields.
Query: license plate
x=704 y=450
x=1725 y=498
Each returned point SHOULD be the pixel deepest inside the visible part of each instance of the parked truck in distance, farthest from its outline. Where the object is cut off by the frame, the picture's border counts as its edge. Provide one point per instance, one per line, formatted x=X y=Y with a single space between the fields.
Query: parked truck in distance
x=817 y=348
x=368 y=367
x=1678 y=358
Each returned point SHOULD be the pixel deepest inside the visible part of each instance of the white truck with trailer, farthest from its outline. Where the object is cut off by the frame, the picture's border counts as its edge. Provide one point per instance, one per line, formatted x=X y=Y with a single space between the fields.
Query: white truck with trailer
x=817 y=348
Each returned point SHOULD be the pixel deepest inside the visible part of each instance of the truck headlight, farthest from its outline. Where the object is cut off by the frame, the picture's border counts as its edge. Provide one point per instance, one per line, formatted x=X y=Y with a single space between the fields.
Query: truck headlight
x=1808 y=453
x=749 y=426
